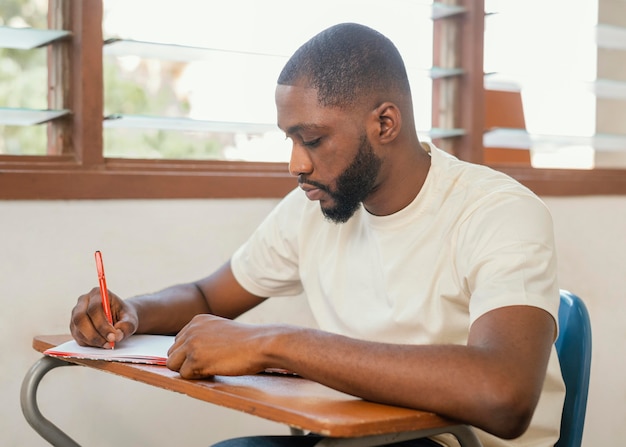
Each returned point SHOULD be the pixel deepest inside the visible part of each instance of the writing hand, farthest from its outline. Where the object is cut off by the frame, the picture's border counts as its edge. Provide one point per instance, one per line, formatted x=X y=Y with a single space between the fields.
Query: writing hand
x=89 y=325
x=210 y=345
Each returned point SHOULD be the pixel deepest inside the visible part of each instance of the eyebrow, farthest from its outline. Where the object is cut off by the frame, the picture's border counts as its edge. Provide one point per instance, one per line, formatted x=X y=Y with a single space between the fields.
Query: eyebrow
x=297 y=128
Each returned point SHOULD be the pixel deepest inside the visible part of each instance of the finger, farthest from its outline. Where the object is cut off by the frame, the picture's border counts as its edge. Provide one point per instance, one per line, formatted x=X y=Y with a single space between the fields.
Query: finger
x=84 y=332
x=78 y=319
x=91 y=322
x=179 y=341
x=95 y=311
x=82 y=326
x=123 y=329
x=181 y=338
x=175 y=358
x=188 y=368
x=181 y=358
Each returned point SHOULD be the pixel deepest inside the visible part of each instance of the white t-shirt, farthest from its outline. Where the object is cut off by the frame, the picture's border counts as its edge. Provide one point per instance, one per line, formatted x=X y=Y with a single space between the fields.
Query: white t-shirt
x=471 y=241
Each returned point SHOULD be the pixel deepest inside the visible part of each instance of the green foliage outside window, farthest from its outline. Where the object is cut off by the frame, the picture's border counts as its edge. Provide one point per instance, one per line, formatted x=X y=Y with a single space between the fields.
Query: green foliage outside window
x=146 y=90
x=23 y=78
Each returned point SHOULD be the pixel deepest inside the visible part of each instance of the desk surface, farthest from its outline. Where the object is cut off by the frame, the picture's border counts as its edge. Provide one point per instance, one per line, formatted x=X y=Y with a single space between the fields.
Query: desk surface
x=293 y=401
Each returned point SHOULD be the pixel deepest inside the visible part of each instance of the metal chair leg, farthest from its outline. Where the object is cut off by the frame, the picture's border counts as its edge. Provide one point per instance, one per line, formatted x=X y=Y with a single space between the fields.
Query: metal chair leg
x=296 y=431
x=30 y=409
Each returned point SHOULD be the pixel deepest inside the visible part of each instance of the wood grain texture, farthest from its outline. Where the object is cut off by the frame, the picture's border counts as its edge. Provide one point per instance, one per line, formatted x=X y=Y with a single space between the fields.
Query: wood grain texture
x=293 y=401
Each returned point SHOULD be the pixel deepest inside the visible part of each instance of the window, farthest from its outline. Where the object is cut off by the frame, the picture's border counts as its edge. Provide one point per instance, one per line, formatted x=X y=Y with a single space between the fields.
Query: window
x=210 y=94
x=558 y=79
x=542 y=83
x=23 y=77
x=91 y=157
x=114 y=130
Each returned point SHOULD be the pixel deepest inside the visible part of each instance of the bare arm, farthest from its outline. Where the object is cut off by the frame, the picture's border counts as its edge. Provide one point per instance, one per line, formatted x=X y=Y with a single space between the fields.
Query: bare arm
x=493 y=383
x=171 y=309
x=164 y=312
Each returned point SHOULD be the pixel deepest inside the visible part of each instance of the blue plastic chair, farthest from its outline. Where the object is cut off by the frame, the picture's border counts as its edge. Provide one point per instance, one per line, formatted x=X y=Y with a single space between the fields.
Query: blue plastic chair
x=573 y=346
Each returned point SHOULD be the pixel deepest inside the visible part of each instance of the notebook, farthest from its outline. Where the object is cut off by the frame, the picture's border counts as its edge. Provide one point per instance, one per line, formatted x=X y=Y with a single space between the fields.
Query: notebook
x=148 y=349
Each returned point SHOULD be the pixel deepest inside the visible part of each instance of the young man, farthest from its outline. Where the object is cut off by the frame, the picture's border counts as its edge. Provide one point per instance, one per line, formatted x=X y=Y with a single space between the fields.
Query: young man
x=442 y=271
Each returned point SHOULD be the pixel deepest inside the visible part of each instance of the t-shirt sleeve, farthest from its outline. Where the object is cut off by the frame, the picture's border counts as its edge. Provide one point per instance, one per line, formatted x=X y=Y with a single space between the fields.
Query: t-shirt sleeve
x=507 y=255
x=267 y=263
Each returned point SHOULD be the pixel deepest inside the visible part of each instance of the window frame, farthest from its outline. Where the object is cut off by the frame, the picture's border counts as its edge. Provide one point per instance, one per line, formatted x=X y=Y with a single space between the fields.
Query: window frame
x=77 y=169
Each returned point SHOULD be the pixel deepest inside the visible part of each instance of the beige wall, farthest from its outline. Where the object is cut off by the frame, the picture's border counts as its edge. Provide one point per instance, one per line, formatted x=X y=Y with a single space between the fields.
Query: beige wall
x=46 y=261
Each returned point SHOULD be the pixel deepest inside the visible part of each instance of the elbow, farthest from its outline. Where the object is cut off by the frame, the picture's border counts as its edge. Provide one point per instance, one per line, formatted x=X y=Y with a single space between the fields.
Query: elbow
x=509 y=426
x=508 y=415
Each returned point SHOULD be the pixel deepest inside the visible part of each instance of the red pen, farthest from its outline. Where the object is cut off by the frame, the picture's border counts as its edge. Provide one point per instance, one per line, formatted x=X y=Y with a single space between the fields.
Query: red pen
x=104 y=293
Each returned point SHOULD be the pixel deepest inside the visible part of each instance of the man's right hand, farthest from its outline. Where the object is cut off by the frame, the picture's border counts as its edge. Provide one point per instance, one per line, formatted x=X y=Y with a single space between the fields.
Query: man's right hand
x=89 y=325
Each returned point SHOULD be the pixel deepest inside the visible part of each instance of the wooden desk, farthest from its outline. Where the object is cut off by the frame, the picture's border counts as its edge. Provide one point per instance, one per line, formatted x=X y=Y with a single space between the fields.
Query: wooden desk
x=294 y=401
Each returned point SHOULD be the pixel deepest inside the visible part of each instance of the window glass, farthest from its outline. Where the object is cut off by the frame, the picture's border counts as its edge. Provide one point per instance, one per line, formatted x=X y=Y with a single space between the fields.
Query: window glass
x=218 y=63
x=23 y=79
x=548 y=51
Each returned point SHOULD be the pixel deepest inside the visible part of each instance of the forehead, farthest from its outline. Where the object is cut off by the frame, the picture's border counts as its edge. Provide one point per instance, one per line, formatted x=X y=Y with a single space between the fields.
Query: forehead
x=298 y=107
x=294 y=96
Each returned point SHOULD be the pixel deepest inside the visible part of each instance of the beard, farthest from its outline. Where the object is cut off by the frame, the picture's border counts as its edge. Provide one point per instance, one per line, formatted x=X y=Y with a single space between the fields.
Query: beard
x=354 y=184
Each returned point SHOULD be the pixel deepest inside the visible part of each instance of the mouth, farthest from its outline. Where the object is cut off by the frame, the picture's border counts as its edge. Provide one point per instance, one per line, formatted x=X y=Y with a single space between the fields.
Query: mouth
x=312 y=192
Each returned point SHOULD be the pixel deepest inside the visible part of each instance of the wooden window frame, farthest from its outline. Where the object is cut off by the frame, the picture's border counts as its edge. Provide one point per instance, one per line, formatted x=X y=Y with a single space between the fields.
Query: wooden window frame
x=75 y=167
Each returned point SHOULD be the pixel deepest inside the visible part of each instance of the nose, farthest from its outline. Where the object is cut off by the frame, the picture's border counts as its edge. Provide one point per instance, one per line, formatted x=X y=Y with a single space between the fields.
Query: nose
x=300 y=162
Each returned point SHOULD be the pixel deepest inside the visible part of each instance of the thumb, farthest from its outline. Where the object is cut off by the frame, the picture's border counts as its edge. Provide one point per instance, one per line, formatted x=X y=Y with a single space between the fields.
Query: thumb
x=124 y=328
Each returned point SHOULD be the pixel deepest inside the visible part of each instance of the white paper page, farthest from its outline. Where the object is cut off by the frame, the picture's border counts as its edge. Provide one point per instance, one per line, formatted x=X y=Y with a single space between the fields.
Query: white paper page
x=138 y=348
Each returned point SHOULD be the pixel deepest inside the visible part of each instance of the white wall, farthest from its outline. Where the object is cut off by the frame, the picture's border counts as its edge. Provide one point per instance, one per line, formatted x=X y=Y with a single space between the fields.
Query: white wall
x=46 y=261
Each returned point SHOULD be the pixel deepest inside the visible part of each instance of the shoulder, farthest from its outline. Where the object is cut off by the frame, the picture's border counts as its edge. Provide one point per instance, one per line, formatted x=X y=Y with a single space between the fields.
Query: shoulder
x=479 y=179
x=480 y=189
x=486 y=207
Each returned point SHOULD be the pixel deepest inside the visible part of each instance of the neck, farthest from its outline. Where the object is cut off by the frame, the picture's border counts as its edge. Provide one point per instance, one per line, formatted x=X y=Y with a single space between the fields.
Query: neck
x=401 y=180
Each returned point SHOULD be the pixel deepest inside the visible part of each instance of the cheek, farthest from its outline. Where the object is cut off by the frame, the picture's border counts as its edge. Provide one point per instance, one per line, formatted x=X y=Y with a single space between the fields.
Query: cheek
x=334 y=159
x=327 y=171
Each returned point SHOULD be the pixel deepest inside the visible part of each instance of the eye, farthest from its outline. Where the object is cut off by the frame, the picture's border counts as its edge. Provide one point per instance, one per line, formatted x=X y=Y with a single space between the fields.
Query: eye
x=311 y=143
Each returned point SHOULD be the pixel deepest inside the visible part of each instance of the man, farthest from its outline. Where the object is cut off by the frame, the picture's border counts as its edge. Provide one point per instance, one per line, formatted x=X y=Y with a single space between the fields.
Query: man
x=432 y=280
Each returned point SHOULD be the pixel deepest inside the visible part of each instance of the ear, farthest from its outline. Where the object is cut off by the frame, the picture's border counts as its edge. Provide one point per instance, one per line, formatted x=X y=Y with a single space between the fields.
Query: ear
x=388 y=121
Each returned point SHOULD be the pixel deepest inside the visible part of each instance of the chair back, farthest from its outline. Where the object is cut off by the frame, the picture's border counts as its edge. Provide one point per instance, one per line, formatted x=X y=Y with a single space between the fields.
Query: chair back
x=573 y=346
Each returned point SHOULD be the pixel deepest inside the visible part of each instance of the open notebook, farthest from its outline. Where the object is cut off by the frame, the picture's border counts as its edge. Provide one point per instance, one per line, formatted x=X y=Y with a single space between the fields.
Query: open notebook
x=150 y=349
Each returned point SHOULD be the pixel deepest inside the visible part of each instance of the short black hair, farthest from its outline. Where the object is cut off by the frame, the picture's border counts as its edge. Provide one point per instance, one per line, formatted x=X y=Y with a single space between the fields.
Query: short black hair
x=345 y=63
